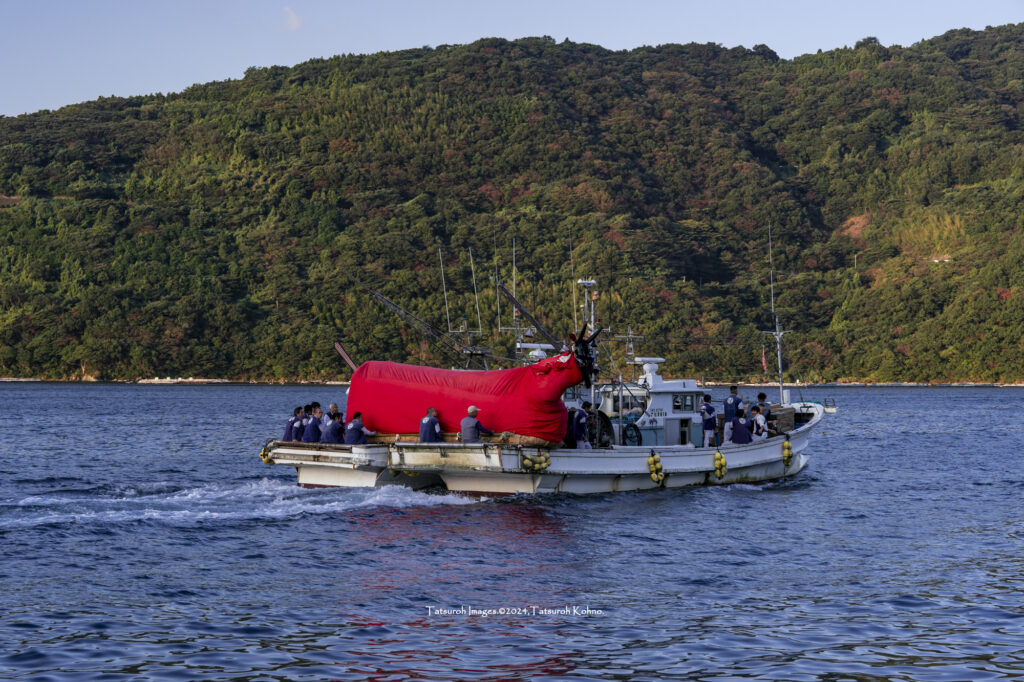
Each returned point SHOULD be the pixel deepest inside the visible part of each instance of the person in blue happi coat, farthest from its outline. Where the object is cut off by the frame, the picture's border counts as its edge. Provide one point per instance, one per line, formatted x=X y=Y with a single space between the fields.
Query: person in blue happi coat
x=334 y=431
x=290 y=426
x=430 y=427
x=355 y=432
x=740 y=428
x=732 y=404
x=708 y=420
x=300 y=423
x=582 y=433
x=311 y=429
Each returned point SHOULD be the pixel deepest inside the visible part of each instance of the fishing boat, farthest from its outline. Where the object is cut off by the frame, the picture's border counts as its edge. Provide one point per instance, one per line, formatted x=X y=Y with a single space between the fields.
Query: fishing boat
x=665 y=452
x=647 y=434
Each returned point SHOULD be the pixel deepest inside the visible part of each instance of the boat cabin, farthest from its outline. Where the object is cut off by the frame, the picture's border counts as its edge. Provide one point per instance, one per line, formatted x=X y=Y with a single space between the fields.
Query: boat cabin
x=654 y=411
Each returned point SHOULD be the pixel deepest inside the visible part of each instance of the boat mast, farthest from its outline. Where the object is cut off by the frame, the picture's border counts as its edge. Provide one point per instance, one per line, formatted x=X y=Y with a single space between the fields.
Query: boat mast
x=444 y=288
x=778 y=332
x=476 y=295
x=515 y=317
x=497 y=298
x=572 y=277
x=472 y=268
x=589 y=319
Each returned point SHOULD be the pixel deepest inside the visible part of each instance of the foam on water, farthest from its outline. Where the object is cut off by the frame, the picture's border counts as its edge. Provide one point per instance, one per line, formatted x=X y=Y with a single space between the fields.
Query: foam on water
x=264 y=499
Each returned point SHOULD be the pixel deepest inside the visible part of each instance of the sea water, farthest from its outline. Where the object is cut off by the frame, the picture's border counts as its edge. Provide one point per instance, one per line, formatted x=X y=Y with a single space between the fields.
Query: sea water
x=142 y=538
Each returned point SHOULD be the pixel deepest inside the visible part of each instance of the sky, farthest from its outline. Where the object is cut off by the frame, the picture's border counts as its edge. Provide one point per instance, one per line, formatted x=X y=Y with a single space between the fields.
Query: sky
x=59 y=52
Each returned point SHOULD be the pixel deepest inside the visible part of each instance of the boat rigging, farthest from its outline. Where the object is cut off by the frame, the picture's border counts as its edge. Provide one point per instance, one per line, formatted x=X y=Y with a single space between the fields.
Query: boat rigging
x=778 y=332
x=466 y=355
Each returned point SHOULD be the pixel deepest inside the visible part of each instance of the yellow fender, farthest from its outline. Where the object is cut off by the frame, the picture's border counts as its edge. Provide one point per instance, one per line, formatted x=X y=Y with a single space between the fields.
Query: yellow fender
x=721 y=466
x=654 y=466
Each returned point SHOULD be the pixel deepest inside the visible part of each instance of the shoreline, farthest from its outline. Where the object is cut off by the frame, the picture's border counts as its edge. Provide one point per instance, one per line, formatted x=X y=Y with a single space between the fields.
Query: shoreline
x=868 y=384
x=191 y=381
x=176 y=382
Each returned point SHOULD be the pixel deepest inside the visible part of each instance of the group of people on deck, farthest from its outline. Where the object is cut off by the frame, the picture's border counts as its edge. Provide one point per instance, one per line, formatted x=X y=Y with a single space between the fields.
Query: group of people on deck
x=738 y=428
x=309 y=424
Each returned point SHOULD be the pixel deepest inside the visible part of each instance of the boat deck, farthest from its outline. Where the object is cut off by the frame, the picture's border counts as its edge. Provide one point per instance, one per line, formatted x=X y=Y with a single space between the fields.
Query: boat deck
x=507 y=468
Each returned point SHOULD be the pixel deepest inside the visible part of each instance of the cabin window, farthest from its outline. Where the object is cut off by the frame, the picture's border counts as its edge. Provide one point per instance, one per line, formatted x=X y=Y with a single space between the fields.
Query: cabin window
x=682 y=402
x=632 y=404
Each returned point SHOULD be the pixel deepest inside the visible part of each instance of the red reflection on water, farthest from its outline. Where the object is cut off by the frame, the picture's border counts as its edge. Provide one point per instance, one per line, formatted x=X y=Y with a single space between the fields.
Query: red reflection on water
x=451 y=642
x=454 y=555
x=552 y=665
x=470 y=545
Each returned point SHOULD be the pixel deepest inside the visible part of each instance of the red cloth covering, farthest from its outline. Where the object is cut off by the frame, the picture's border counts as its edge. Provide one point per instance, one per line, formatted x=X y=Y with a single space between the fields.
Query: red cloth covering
x=525 y=400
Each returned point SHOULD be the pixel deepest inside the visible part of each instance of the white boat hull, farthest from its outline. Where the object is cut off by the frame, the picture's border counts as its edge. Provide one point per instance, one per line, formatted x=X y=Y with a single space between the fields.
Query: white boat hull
x=500 y=469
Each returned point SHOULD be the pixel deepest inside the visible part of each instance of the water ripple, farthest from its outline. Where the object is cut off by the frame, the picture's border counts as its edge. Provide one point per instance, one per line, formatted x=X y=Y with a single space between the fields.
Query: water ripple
x=178 y=555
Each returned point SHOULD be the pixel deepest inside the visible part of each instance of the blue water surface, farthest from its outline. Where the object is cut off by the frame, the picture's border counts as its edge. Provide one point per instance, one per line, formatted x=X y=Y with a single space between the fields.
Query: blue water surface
x=142 y=538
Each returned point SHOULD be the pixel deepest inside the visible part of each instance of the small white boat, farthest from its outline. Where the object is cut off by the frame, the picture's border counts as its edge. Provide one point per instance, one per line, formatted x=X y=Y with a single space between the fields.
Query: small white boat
x=664 y=433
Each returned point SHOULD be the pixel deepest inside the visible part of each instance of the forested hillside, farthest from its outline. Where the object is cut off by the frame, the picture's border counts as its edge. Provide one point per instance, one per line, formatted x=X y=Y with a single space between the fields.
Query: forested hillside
x=207 y=232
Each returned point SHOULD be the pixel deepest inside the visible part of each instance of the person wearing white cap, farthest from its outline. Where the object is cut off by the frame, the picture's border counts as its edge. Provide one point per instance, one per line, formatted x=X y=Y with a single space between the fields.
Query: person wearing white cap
x=471 y=426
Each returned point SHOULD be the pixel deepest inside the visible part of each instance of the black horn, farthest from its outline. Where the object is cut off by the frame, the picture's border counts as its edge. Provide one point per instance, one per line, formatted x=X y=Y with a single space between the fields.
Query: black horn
x=583 y=349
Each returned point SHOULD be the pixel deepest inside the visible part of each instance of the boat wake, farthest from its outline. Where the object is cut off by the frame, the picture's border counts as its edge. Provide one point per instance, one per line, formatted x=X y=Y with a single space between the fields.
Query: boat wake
x=161 y=503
